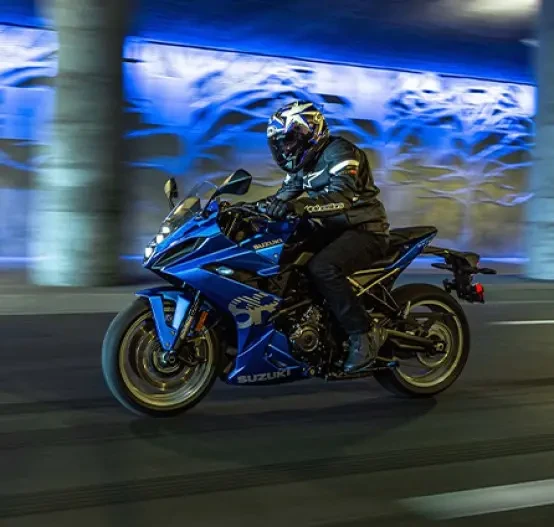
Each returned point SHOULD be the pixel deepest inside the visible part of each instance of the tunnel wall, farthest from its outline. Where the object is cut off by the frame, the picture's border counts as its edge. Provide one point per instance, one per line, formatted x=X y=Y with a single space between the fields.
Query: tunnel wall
x=449 y=151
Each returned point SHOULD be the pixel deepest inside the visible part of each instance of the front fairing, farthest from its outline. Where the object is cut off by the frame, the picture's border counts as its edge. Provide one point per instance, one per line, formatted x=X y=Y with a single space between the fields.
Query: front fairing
x=199 y=241
x=188 y=230
x=216 y=267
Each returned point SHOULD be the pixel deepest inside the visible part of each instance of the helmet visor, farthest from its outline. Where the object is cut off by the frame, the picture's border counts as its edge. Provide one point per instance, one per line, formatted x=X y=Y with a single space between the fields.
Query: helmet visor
x=289 y=149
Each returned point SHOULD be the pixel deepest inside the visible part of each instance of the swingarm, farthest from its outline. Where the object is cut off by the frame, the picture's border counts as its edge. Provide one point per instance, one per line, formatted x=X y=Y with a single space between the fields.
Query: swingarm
x=408 y=331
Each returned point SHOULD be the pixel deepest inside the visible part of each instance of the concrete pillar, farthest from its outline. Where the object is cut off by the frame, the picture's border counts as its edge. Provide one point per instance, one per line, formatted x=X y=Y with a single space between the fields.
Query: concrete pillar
x=78 y=209
x=540 y=209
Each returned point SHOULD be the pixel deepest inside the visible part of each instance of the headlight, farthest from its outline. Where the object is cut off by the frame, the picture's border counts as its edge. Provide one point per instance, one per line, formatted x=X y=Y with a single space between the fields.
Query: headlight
x=163 y=233
x=165 y=230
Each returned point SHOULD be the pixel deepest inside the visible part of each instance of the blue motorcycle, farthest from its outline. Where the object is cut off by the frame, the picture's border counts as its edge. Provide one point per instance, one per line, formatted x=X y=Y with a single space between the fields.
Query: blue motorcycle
x=239 y=306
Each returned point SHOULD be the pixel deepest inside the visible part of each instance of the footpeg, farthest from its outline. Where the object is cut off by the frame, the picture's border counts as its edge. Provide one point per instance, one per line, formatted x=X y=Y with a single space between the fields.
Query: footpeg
x=391 y=364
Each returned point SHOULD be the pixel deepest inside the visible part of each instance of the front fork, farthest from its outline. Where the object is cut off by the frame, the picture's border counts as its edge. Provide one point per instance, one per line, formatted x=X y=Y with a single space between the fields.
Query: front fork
x=172 y=333
x=169 y=357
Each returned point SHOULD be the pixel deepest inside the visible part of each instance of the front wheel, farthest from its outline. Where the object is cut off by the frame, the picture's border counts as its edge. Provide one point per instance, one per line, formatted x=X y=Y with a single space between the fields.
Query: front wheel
x=429 y=373
x=137 y=377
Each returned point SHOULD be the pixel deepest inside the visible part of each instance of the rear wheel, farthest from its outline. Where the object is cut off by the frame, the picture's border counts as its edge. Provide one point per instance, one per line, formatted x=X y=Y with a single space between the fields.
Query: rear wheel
x=428 y=373
x=138 y=377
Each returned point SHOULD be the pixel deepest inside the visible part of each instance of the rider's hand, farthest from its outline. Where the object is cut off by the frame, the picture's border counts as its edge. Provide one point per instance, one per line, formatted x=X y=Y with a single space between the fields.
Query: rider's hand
x=277 y=209
x=263 y=204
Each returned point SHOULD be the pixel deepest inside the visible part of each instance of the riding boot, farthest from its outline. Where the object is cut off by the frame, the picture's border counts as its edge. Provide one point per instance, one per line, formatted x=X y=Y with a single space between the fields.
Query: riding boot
x=363 y=349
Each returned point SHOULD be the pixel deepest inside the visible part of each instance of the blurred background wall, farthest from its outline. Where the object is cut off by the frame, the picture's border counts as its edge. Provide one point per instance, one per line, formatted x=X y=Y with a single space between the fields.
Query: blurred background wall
x=451 y=149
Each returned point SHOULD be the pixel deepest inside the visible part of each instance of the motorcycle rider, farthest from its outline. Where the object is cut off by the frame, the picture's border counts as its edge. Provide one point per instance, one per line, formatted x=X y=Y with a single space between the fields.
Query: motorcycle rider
x=342 y=193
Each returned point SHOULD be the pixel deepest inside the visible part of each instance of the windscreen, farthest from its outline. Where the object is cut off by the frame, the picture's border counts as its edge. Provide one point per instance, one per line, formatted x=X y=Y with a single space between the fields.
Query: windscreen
x=191 y=204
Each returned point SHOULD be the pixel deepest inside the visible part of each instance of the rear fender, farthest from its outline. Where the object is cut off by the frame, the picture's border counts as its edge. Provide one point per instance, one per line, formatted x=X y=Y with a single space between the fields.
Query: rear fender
x=463 y=265
x=458 y=261
x=157 y=296
x=467 y=260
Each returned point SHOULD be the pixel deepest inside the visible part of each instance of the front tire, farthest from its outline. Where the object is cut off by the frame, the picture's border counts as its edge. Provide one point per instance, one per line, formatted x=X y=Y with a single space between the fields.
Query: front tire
x=455 y=333
x=136 y=377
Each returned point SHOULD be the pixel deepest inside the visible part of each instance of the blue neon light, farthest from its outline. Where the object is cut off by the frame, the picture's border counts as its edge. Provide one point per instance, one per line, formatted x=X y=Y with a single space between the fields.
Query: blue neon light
x=445 y=150
x=303 y=30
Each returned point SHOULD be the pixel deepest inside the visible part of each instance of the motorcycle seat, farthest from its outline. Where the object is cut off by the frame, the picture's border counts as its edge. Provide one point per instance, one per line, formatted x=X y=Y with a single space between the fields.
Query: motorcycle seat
x=409 y=235
x=400 y=240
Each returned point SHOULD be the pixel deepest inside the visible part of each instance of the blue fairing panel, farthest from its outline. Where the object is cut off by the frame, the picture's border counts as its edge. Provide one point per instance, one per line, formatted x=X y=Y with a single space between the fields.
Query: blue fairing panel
x=273 y=254
x=411 y=254
x=216 y=251
x=249 y=307
x=267 y=361
x=268 y=246
x=263 y=353
x=260 y=348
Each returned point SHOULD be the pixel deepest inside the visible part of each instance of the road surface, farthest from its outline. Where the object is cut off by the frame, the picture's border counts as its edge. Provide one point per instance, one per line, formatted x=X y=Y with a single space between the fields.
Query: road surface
x=313 y=454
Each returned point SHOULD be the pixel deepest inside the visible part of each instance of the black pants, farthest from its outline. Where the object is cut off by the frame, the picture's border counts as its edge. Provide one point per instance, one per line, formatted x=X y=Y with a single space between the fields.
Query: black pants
x=345 y=253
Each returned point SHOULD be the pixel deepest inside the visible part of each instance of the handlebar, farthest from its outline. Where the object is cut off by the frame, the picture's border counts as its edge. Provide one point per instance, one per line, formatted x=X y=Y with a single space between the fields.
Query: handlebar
x=260 y=209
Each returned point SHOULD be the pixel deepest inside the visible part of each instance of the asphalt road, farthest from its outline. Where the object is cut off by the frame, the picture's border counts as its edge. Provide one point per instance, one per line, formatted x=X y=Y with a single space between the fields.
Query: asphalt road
x=339 y=454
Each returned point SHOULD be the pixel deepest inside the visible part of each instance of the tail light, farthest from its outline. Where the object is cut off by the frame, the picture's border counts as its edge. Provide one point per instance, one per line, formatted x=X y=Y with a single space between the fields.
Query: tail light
x=478 y=293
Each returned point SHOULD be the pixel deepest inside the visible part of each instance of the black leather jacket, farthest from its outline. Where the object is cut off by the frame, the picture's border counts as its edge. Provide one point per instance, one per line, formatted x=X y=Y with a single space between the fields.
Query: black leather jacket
x=340 y=187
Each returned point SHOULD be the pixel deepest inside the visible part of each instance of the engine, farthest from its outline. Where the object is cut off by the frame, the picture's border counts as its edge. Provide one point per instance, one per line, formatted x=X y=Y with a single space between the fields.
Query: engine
x=306 y=335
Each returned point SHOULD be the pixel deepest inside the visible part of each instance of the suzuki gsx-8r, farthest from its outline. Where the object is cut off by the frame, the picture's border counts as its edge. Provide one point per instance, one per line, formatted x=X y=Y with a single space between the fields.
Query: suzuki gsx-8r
x=239 y=306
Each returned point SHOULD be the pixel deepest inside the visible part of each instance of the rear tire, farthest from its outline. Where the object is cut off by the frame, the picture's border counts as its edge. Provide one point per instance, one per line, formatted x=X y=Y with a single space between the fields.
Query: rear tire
x=399 y=383
x=130 y=366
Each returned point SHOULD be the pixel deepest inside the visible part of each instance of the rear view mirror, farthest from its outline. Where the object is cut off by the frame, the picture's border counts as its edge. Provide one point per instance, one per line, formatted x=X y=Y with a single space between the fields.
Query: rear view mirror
x=238 y=183
x=171 y=191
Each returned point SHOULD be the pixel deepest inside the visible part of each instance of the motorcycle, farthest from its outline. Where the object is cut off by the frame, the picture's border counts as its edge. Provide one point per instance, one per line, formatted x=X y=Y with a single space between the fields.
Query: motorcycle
x=239 y=306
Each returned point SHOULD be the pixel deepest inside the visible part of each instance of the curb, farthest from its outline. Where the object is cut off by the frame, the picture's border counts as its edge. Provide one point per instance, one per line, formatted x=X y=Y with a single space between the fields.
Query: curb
x=64 y=303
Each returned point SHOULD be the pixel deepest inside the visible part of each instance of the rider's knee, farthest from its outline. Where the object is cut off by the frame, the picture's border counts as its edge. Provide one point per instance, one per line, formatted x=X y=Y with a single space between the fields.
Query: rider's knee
x=323 y=268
